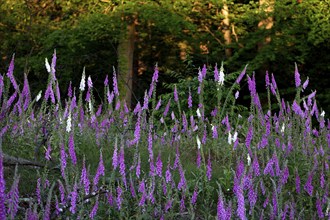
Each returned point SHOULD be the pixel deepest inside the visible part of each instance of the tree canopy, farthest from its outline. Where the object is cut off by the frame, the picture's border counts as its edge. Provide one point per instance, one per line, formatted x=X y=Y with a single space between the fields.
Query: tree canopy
x=179 y=36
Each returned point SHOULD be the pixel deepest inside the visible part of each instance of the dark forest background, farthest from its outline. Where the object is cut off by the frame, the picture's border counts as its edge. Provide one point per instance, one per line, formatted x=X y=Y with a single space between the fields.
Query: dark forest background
x=177 y=35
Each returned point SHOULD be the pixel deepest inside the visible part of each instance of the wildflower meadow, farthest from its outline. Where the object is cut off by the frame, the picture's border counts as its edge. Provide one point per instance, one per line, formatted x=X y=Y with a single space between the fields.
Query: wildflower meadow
x=80 y=156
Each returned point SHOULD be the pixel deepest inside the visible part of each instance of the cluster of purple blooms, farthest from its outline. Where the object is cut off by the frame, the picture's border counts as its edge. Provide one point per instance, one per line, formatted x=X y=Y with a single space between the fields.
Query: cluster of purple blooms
x=269 y=153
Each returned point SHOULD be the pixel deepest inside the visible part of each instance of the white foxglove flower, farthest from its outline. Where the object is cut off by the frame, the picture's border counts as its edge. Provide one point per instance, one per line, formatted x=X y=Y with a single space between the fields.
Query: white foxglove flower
x=221 y=75
x=229 y=138
x=90 y=107
x=248 y=159
x=68 y=123
x=199 y=144
x=235 y=136
x=198 y=113
x=47 y=65
x=283 y=128
x=38 y=96
x=89 y=82
x=323 y=114
x=83 y=81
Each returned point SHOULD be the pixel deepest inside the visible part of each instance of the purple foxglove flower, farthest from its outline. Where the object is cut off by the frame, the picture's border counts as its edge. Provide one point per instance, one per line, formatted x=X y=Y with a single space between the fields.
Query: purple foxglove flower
x=240 y=204
x=70 y=90
x=168 y=205
x=194 y=196
x=216 y=73
x=322 y=179
x=58 y=92
x=25 y=93
x=137 y=108
x=72 y=152
x=284 y=213
x=267 y=79
x=305 y=83
x=143 y=199
x=94 y=209
x=255 y=166
x=10 y=73
x=184 y=123
x=264 y=205
x=146 y=101
x=167 y=108
x=138 y=167
x=240 y=169
x=99 y=171
x=13 y=198
x=249 y=137
x=63 y=157
x=308 y=187
x=137 y=131
x=159 y=166
x=175 y=93
x=48 y=152
x=119 y=198
x=252 y=196
x=131 y=187
x=84 y=178
x=110 y=198
x=122 y=166
x=285 y=175
x=214 y=112
x=182 y=184
x=88 y=96
x=190 y=101
x=209 y=168
x=11 y=99
x=214 y=132
x=62 y=192
x=204 y=71
x=74 y=196
x=319 y=209
x=274 y=201
x=221 y=209
x=110 y=96
x=1 y=86
x=159 y=103
x=182 y=205
x=106 y=80
x=115 y=84
x=73 y=103
x=155 y=75
x=164 y=188
x=115 y=157
x=297 y=76
x=168 y=175
x=225 y=121
x=99 y=111
x=241 y=75
x=142 y=187
x=297 y=110
x=269 y=167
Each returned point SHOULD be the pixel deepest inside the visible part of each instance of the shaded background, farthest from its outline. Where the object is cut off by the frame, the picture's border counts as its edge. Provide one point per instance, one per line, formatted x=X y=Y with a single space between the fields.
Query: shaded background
x=177 y=35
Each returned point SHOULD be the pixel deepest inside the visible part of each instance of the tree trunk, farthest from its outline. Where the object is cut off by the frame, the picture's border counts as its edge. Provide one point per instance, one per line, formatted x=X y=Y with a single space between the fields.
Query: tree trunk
x=268 y=7
x=125 y=64
x=226 y=29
